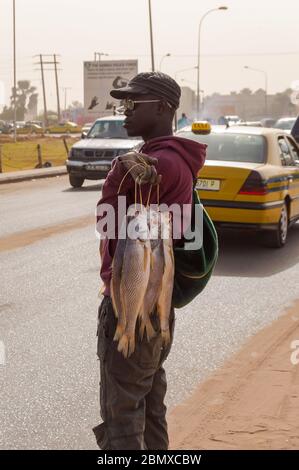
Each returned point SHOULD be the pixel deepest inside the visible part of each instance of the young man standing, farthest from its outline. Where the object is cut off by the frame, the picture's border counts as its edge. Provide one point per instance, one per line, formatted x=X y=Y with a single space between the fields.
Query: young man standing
x=132 y=389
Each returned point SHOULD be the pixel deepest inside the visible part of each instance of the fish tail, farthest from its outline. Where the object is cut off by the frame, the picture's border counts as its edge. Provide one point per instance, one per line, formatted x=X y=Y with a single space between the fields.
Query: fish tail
x=141 y=330
x=118 y=333
x=165 y=336
x=126 y=345
x=131 y=345
x=150 y=332
x=123 y=345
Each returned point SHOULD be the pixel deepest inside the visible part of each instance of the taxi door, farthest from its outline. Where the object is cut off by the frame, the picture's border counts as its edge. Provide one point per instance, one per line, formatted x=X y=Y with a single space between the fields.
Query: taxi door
x=290 y=162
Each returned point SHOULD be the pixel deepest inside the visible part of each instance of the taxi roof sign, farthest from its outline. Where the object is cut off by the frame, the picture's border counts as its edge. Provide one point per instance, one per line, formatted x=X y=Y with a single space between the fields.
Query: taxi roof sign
x=201 y=127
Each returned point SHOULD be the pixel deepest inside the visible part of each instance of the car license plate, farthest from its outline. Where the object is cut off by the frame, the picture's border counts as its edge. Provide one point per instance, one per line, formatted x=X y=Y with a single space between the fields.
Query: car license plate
x=208 y=184
x=98 y=167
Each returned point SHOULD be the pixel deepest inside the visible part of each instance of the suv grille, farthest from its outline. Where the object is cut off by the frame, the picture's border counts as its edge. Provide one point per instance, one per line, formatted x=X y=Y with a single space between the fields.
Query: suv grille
x=94 y=155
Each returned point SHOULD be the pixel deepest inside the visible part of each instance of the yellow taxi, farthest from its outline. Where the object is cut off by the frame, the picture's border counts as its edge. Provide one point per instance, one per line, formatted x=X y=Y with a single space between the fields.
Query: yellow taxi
x=30 y=129
x=250 y=179
x=64 y=128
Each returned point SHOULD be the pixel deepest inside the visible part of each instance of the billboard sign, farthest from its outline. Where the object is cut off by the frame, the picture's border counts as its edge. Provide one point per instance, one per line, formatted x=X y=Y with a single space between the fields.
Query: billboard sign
x=99 y=79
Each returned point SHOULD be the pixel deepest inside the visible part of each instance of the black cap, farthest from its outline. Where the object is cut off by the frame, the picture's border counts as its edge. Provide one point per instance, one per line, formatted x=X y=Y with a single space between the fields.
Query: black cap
x=156 y=83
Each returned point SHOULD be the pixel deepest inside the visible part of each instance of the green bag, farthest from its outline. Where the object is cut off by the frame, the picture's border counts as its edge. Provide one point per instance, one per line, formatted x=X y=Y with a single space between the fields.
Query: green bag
x=193 y=268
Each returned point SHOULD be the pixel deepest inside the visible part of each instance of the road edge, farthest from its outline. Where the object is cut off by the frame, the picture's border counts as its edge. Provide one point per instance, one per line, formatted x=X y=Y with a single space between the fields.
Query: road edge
x=26 y=175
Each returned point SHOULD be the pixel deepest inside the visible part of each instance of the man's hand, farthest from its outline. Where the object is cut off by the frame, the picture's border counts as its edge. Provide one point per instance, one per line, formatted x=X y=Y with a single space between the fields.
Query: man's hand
x=141 y=166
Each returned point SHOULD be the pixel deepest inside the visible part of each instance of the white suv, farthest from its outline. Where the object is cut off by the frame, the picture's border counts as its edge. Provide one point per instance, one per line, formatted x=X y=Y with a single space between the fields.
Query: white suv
x=91 y=157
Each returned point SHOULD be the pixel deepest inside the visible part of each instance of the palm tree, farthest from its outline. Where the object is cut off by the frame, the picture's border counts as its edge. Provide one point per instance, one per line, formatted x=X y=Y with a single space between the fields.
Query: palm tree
x=24 y=91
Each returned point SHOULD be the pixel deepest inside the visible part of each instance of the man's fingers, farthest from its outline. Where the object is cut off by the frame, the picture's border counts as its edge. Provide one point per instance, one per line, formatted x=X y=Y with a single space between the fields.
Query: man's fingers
x=147 y=158
x=141 y=166
x=138 y=157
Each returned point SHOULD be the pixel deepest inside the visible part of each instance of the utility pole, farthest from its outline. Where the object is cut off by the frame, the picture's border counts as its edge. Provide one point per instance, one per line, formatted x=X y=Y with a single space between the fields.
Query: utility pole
x=151 y=34
x=57 y=89
x=44 y=91
x=54 y=62
x=14 y=71
x=65 y=92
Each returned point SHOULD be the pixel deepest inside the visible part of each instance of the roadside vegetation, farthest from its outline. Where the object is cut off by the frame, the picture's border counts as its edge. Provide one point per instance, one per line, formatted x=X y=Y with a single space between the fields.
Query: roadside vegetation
x=23 y=155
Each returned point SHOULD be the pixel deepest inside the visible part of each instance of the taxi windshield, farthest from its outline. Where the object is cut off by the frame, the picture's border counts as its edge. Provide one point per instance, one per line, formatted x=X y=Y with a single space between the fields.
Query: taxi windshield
x=231 y=147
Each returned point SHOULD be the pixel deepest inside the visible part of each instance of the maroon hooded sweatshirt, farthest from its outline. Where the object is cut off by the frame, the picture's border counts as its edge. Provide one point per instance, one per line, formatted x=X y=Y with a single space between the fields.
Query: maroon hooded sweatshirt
x=179 y=161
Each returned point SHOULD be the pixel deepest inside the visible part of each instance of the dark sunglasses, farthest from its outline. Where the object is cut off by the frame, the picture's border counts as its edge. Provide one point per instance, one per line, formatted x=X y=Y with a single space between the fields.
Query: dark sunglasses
x=129 y=105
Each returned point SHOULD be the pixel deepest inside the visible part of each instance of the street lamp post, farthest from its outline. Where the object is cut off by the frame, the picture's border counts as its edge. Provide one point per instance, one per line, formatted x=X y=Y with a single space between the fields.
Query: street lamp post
x=99 y=54
x=198 y=55
x=151 y=34
x=266 y=84
x=14 y=71
x=166 y=55
x=183 y=70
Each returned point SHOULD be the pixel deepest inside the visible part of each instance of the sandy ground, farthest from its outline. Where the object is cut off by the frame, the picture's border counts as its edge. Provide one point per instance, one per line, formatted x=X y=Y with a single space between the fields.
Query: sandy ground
x=252 y=402
x=25 y=238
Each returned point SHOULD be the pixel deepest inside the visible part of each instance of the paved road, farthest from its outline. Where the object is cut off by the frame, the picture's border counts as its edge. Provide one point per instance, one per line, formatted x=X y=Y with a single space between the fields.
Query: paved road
x=48 y=303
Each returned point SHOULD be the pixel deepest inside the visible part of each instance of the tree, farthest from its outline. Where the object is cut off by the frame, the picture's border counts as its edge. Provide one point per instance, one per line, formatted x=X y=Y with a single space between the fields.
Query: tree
x=26 y=96
x=246 y=92
x=75 y=105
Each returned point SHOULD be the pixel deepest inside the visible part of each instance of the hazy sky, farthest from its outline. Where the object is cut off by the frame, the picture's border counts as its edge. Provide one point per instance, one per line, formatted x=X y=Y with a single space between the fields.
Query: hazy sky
x=258 y=33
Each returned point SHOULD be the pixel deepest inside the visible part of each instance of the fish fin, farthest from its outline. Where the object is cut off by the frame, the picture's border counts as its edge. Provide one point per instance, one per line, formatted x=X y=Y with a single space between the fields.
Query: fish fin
x=101 y=290
x=123 y=345
x=114 y=303
x=165 y=336
x=141 y=330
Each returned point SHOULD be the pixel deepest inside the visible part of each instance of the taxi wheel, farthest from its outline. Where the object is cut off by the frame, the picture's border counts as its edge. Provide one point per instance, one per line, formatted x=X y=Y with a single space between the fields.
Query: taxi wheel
x=76 y=181
x=277 y=238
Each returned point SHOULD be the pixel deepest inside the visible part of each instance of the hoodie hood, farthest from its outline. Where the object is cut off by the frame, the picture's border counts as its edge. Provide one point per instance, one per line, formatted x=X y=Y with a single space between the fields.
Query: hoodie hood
x=193 y=153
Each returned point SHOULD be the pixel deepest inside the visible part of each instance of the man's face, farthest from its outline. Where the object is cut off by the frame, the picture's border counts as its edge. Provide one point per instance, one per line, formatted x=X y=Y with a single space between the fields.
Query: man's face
x=144 y=117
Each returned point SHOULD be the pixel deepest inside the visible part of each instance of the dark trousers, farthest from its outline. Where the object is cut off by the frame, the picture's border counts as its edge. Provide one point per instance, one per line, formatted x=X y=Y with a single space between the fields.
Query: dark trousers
x=132 y=390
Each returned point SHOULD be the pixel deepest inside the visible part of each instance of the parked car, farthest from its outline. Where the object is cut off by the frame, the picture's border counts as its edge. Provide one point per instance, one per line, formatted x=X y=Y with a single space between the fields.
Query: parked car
x=295 y=130
x=285 y=124
x=249 y=124
x=232 y=119
x=268 y=122
x=5 y=127
x=30 y=129
x=64 y=128
x=91 y=157
x=250 y=180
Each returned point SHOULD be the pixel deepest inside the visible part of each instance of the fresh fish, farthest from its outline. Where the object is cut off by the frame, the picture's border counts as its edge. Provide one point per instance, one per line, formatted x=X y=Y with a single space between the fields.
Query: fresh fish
x=134 y=279
x=156 y=273
x=116 y=279
x=153 y=289
x=165 y=296
x=117 y=265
